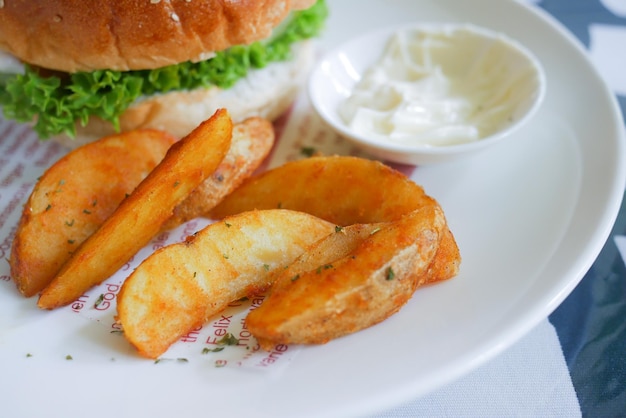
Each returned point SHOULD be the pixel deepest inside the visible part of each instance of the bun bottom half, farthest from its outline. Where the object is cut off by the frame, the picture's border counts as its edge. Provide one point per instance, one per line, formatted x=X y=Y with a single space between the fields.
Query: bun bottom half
x=266 y=92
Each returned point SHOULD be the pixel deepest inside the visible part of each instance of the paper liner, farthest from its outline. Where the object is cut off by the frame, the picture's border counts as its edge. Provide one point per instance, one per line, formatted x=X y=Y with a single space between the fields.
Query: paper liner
x=24 y=158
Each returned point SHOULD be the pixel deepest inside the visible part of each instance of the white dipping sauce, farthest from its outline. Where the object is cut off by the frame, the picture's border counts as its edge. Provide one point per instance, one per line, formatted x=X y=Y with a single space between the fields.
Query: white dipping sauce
x=440 y=87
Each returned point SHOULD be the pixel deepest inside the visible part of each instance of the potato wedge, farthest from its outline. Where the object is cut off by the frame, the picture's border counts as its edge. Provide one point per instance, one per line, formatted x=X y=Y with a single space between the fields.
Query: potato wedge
x=346 y=191
x=74 y=197
x=251 y=142
x=95 y=178
x=331 y=248
x=321 y=297
x=342 y=190
x=140 y=217
x=180 y=286
x=447 y=261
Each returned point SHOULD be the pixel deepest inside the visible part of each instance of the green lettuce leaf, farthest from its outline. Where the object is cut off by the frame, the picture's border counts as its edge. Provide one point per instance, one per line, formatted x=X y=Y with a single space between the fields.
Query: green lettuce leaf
x=55 y=103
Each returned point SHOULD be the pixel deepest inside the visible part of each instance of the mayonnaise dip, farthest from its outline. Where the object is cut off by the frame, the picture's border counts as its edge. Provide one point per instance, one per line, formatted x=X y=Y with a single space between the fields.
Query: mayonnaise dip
x=440 y=87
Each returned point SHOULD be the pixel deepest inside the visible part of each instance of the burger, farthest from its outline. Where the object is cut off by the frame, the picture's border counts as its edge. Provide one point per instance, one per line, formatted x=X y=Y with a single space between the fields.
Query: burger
x=79 y=69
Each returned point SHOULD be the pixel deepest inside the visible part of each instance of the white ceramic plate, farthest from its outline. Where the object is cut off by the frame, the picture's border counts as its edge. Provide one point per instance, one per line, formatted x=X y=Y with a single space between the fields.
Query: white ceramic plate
x=530 y=216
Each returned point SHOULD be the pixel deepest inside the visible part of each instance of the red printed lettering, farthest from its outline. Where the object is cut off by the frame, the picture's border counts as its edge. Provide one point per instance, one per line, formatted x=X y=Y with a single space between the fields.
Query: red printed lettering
x=79 y=303
x=274 y=355
x=14 y=175
x=160 y=241
x=14 y=203
x=126 y=266
x=189 y=229
x=191 y=336
x=5 y=246
x=256 y=302
x=50 y=153
x=244 y=335
x=106 y=299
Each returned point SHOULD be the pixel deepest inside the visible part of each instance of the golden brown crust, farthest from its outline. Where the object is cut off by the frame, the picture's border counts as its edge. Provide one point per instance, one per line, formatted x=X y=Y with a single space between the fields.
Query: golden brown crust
x=78 y=35
x=353 y=290
x=140 y=216
x=251 y=142
x=65 y=208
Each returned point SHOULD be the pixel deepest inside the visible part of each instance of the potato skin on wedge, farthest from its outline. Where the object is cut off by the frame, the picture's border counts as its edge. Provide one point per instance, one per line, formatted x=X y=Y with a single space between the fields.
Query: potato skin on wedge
x=251 y=143
x=181 y=286
x=79 y=192
x=321 y=303
x=74 y=197
x=141 y=215
x=320 y=297
x=341 y=189
x=344 y=190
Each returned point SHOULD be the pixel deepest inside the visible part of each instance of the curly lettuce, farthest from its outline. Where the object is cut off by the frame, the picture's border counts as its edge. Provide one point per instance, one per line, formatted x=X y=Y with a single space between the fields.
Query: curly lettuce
x=56 y=103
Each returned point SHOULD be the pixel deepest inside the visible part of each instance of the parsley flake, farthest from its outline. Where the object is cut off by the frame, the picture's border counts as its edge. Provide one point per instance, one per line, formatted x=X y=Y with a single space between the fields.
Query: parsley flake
x=178 y=360
x=98 y=301
x=323 y=267
x=308 y=151
x=228 y=339
x=207 y=350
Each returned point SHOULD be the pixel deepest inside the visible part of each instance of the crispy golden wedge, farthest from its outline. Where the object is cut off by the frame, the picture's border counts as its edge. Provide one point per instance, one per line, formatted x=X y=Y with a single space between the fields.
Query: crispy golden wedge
x=342 y=190
x=336 y=288
x=252 y=141
x=180 y=286
x=139 y=217
x=79 y=192
x=72 y=199
x=346 y=191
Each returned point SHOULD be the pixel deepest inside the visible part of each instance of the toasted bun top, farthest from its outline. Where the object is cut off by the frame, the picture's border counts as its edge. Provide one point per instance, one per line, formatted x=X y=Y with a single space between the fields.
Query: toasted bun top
x=80 y=35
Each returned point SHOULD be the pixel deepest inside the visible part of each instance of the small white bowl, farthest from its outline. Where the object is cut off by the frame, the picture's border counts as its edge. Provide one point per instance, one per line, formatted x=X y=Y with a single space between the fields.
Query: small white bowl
x=465 y=55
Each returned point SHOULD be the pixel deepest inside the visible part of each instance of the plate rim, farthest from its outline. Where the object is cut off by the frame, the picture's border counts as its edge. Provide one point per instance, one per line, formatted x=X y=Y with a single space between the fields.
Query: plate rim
x=388 y=398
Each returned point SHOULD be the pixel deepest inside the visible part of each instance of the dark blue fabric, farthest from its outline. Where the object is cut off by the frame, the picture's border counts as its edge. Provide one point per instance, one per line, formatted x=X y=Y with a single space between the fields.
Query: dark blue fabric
x=591 y=325
x=622 y=101
x=576 y=15
x=591 y=322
